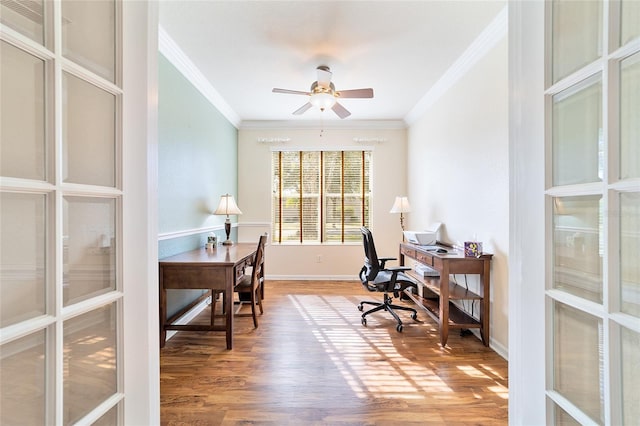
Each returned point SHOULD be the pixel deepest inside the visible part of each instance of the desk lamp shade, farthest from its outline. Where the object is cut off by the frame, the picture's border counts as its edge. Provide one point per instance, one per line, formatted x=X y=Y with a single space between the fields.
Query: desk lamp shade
x=226 y=207
x=401 y=205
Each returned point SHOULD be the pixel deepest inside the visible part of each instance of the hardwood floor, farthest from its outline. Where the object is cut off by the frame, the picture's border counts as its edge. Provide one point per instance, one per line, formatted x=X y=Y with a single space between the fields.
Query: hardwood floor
x=311 y=362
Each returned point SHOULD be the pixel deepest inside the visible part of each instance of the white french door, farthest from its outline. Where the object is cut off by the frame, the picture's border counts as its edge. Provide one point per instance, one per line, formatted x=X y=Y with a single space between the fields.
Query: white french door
x=592 y=212
x=61 y=220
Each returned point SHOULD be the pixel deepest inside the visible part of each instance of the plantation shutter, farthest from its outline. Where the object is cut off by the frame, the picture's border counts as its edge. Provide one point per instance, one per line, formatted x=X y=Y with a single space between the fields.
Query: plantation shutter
x=320 y=196
x=332 y=196
x=310 y=196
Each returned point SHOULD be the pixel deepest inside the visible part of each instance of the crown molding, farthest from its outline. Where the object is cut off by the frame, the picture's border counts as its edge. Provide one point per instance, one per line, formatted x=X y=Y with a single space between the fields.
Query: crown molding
x=315 y=124
x=170 y=50
x=486 y=40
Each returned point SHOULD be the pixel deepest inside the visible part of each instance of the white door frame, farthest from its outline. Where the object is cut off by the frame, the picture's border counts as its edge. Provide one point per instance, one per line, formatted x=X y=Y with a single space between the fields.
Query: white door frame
x=140 y=213
x=526 y=216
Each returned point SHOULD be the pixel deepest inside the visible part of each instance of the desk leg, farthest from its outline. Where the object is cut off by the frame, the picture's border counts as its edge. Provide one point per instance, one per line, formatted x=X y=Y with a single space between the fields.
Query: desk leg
x=444 y=304
x=163 y=312
x=485 y=292
x=228 y=307
x=213 y=306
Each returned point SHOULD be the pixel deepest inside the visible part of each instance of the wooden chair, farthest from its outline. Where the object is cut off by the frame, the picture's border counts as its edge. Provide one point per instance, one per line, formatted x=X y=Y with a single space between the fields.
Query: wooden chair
x=253 y=284
x=250 y=287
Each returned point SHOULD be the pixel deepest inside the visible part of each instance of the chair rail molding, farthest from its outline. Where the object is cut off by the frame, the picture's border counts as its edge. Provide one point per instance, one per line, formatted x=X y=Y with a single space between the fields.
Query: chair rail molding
x=194 y=231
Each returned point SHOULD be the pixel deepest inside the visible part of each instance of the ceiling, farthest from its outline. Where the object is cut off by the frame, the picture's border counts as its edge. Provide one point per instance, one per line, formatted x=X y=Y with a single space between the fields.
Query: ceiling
x=398 y=48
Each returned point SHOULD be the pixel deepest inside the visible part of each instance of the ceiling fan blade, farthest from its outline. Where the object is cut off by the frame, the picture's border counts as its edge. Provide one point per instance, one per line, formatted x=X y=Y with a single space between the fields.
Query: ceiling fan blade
x=302 y=109
x=290 y=92
x=324 y=76
x=340 y=110
x=356 y=93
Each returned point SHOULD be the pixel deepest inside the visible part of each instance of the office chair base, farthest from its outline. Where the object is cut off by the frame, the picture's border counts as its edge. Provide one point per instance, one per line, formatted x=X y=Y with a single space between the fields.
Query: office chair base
x=389 y=307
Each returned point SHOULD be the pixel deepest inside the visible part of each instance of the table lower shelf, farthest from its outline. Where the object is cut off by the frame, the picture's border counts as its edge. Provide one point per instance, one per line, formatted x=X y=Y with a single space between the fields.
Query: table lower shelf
x=457 y=317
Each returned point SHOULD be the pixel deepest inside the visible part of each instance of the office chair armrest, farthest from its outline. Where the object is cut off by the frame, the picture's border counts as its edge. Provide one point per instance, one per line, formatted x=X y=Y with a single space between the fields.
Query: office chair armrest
x=398 y=269
x=383 y=260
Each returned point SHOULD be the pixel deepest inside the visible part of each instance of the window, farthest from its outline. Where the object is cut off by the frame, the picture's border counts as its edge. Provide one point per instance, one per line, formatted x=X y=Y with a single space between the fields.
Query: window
x=320 y=196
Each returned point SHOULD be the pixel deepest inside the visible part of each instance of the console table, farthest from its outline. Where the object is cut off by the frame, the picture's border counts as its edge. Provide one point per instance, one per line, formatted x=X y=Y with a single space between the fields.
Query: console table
x=216 y=270
x=436 y=293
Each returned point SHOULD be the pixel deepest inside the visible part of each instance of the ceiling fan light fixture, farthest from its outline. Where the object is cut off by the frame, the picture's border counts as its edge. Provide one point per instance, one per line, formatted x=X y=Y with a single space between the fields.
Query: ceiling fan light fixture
x=323 y=94
x=322 y=100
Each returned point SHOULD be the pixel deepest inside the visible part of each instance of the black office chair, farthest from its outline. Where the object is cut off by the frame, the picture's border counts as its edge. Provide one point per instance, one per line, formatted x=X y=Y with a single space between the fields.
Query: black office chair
x=375 y=276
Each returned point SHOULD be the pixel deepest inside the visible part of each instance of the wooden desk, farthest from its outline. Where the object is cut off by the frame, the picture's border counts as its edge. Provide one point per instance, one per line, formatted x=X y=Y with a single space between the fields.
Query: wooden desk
x=437 y=292
x=216 y=270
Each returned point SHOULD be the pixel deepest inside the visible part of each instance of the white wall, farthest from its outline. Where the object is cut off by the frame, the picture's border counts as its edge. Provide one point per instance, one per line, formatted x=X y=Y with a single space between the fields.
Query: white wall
x=294 y=261
x=458 y=174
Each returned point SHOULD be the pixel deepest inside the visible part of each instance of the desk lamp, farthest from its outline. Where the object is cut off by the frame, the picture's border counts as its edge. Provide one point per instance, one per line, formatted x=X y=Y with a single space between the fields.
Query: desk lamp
x=226 y=207
x=401 y=205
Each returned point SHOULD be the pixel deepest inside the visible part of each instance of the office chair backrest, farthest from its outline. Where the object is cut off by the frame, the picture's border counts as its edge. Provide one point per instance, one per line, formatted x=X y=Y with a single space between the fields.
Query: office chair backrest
x=371 y=263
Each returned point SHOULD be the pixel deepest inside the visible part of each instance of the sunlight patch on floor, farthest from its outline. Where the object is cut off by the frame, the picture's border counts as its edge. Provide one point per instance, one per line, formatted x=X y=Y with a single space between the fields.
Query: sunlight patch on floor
x=367 y=358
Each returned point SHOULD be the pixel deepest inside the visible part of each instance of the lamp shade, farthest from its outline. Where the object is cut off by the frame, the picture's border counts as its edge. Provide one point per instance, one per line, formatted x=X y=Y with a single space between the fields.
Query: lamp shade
x=227 y=206
x=322 y=100
x=401 y=205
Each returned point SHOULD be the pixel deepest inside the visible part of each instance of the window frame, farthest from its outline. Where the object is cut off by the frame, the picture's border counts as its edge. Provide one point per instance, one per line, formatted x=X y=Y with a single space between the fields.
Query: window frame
x=365 y=195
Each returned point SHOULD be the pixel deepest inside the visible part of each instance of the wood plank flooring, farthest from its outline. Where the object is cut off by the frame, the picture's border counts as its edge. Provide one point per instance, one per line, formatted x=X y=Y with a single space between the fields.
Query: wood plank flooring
x=311 y=362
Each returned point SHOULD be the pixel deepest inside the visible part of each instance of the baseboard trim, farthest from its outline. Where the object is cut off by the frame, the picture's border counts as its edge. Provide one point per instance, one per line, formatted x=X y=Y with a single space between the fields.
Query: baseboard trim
x=190 y=315
x=312 y=278
x=495 y=346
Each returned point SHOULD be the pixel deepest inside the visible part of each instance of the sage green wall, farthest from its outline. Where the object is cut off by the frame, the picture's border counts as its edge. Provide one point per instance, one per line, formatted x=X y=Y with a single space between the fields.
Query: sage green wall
x=197 y=163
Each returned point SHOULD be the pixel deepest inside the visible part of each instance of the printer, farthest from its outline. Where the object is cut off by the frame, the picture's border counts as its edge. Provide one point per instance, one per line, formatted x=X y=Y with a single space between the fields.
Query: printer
x=423 y=238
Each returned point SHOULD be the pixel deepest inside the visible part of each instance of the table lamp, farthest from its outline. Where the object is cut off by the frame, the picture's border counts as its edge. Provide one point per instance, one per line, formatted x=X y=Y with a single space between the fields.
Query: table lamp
x=401 y=205
x=226 y=207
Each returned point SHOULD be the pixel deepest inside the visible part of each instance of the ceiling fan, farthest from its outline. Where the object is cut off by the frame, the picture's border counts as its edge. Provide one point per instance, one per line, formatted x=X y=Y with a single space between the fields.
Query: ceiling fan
x=323 y=94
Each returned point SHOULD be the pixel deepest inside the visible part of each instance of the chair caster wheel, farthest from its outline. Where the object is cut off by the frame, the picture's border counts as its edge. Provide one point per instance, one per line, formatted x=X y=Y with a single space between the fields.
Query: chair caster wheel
x=414 y=316
x=364 y=321
x=399 y=328
x=360 y=307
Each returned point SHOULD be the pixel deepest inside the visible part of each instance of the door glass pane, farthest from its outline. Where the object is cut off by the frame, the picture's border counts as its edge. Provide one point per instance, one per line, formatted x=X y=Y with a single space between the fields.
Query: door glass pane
x=22 y=381
x=630 y=253
x=630 y=20
x=22 y=257
x=577 y=359
x=109 y=418
x=576 y=35
x=90 y=361
x=630 y=375
x=629 y=113
x=562 y=418
x=24 y=16
x=88 y=133
x=89 y=247
x=577 y=134
x=22 y=122
x=88 y=35
x=577 y=251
